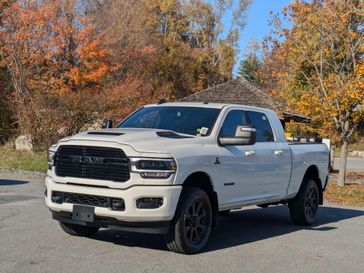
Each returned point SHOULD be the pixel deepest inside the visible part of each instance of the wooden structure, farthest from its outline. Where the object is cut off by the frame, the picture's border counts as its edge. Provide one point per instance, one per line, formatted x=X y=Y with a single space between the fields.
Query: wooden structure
x=240 y=91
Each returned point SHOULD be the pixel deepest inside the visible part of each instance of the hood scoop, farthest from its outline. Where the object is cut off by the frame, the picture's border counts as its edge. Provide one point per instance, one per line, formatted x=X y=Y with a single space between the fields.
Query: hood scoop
x=105 y=133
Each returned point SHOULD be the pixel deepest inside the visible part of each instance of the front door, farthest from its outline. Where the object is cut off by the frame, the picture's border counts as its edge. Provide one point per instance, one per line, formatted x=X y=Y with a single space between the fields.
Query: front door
x=238 y=165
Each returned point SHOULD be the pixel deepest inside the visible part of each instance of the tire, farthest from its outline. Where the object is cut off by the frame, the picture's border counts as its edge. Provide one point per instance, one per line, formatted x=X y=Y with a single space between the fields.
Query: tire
x=191 y=227
x=77 y=230
x=304 y=206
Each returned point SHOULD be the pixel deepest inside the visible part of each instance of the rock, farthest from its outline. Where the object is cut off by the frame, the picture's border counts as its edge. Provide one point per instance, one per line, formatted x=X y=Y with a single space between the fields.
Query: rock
x=62 y=131
x=357 y=154
x=24 y=143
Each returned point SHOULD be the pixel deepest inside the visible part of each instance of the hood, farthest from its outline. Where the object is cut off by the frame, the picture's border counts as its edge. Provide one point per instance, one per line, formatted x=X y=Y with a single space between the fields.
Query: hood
x=140 y=139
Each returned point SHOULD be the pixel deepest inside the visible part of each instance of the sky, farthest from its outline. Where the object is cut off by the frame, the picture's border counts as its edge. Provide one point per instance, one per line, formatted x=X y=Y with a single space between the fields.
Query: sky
x=257 y=27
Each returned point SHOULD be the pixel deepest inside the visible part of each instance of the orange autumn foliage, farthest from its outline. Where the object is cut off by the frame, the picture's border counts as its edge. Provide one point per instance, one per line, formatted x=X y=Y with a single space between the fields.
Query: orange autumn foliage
x=59 y=49
x=72 y=62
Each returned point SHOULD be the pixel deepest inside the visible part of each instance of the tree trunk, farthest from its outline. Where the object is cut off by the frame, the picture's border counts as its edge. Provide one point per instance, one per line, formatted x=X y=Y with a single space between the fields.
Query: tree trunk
x=343 y=160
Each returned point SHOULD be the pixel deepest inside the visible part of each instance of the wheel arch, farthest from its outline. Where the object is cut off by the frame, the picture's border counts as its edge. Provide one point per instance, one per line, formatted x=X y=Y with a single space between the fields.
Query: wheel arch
x=203 y=181
x=312 y=172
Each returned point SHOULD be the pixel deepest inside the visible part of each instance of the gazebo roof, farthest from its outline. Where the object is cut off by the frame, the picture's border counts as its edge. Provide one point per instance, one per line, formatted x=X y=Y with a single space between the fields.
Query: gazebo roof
x=240 y=91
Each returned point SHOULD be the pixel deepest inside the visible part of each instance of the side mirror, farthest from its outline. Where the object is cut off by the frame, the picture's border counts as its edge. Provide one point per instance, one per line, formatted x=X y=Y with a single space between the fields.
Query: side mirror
x=107 y=123
x=244 y=135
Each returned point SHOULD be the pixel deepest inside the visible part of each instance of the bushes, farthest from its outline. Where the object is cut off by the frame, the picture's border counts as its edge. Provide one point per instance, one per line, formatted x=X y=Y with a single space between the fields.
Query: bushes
x=49 y=117
x=6 y=126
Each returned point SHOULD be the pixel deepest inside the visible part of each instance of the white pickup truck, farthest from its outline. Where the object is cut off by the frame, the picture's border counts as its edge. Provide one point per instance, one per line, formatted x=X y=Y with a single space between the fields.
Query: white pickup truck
x=172 y=168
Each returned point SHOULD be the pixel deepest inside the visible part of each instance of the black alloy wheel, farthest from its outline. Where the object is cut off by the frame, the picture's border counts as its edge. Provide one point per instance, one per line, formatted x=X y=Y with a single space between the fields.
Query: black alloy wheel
x=311 y=202
x=197 y=221
x=303 y=208
x=191 y=227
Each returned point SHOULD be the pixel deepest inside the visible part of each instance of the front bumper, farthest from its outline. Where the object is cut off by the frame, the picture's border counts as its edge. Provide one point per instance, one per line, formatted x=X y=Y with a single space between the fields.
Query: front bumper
x=107 y=217
x=160 y=227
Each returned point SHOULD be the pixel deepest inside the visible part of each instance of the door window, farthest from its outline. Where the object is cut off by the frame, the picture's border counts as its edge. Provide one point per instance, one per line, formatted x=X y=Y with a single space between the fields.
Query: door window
x=232 y=120
x=262 y=126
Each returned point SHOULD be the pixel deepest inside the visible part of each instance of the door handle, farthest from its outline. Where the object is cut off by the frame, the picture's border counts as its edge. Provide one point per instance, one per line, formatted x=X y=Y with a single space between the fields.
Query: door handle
x=278 y=152
x=249 y=153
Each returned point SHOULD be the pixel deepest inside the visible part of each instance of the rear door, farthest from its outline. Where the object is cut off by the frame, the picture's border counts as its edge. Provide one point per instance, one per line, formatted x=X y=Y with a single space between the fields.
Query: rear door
x=273 y=158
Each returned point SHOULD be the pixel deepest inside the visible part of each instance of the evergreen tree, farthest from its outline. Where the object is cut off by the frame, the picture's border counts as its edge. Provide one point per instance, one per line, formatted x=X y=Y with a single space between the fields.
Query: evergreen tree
x=249 y=68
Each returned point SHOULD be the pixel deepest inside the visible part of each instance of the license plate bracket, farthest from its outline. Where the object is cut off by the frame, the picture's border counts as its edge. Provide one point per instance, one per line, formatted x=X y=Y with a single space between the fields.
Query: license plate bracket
x=83 y=213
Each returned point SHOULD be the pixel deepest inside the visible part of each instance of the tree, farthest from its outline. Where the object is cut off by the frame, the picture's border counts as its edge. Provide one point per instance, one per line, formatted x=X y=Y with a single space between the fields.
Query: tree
x=321 y=65
x=50 y=48
x=177 y=47
x=54 y=43
x=70 y=62
x=249 y=68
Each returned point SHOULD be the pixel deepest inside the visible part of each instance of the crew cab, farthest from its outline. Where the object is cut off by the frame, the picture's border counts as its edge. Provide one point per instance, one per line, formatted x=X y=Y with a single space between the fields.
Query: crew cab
x=172 y=168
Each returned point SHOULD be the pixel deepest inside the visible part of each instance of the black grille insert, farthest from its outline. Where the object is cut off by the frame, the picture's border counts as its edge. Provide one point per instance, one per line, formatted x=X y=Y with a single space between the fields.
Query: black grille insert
x=92 y=162
x=86 y=199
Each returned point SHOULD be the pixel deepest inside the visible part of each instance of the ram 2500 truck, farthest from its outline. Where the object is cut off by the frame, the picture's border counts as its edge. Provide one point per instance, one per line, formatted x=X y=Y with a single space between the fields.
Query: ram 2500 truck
x=172 y=168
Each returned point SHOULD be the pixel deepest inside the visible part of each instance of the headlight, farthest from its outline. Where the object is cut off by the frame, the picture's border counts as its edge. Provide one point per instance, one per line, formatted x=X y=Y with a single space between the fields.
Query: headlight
x=50 y=158
x=153 y=167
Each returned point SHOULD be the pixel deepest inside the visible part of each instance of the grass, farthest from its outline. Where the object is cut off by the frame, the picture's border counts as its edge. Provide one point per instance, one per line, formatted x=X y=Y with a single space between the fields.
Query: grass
x=23 y=160
x=350 y=194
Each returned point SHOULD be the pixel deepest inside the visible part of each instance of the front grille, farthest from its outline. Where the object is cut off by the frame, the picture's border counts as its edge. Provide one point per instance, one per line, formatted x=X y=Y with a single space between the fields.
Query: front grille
x=92 y=162
x=86 y=199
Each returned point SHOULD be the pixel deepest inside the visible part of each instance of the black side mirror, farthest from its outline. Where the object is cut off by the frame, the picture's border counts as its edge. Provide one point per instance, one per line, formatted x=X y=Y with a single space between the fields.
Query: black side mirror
x=107 y=123
x=244 y=135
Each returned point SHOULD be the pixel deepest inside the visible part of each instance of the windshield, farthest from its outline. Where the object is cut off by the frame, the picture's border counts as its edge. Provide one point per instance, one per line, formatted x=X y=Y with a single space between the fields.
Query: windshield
x=185 y=120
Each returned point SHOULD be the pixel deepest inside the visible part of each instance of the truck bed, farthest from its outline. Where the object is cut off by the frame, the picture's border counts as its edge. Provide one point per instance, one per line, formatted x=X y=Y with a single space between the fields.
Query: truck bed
x=304 y=155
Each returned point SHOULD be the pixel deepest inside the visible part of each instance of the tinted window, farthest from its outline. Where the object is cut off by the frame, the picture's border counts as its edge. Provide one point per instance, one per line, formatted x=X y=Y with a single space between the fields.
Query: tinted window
x=186 y=120
x=233 y=119
x=261 y=123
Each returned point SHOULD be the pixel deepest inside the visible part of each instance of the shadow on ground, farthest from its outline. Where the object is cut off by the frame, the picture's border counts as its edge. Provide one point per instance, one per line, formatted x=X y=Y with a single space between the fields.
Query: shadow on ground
x=11 y=182
x=240 y=227
x=5 y=199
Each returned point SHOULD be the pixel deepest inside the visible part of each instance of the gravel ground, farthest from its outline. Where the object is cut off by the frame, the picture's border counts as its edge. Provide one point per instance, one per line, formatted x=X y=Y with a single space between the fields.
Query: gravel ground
x=21 y=173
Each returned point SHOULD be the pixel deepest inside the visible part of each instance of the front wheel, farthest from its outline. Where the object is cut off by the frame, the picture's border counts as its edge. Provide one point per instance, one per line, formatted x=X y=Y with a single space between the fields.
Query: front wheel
x=304 y=206
x=224 y=213
x=191 y=227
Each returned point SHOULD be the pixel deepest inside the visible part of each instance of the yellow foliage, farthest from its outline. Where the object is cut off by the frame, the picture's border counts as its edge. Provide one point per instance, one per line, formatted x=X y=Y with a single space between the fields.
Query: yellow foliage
x=318 y=65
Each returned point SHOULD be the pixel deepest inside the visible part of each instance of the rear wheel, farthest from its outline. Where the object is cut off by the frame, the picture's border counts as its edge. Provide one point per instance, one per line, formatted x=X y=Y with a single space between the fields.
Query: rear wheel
x=191 y=227
x=77 y=230
x=304 y=206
